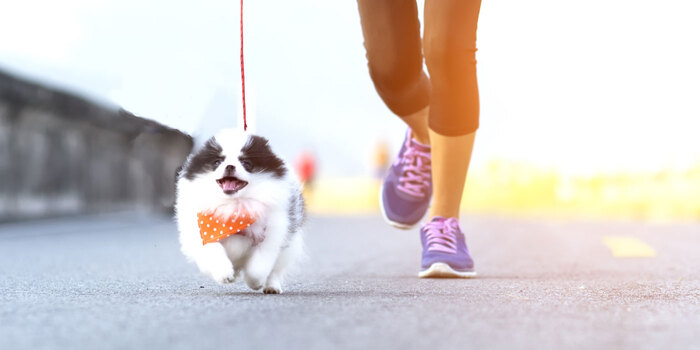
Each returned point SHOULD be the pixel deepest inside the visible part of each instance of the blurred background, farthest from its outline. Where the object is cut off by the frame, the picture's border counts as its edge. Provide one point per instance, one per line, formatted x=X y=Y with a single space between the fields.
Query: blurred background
x=588 y=109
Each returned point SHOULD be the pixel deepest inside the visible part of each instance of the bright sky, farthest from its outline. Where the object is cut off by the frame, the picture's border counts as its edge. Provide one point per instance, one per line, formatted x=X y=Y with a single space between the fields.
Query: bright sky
x=601 y=85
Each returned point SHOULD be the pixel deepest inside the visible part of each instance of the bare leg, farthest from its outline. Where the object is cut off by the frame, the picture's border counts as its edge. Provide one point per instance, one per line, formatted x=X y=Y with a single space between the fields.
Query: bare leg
x=451 y=156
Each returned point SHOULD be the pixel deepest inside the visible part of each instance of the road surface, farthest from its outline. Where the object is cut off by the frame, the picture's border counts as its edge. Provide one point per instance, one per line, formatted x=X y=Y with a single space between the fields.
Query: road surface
x=120 y=282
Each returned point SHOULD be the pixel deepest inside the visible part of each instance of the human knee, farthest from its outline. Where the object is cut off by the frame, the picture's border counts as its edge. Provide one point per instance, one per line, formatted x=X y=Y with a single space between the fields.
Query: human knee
x=404 y=88
x=454 y=104
x=394 y=77
x=448 y=55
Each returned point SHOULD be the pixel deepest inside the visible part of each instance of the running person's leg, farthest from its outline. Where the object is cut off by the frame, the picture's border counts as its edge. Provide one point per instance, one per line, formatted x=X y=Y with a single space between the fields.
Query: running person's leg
x=392 y=39
x=450 y=46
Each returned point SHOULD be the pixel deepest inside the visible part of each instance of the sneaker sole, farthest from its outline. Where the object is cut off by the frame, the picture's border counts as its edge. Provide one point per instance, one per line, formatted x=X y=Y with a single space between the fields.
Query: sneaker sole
x=442 y=270
x=386 y=218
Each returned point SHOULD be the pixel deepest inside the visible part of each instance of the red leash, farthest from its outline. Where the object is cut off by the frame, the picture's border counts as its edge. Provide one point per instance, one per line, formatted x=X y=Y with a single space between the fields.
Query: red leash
x=245 y=122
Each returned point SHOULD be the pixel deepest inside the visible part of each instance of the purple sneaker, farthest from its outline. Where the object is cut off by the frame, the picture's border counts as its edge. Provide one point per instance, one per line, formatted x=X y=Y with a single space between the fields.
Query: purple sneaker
x=408 y=185
x=445 y=252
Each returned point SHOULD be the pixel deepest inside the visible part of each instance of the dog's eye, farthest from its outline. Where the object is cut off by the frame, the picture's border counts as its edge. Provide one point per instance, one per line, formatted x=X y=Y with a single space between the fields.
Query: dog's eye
x=246 y=164
x=217 y=162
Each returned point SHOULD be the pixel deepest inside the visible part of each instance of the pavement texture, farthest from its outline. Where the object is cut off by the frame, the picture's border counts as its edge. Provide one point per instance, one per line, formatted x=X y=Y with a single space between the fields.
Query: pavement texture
x=120 y=282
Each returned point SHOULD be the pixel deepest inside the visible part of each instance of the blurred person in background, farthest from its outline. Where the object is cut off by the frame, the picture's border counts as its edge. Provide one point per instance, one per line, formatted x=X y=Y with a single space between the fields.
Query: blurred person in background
x=380 y=158
x=441 y=112
x=305 y=166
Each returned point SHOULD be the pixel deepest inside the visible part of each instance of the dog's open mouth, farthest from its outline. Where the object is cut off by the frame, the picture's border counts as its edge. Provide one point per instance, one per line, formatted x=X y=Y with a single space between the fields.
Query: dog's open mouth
x=231 y=184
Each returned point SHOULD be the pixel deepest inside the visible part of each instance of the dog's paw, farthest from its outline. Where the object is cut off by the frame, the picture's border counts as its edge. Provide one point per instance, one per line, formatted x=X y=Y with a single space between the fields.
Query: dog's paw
x=226 y=279
x=252 y=282
x=272 y=290
x=223 y=275
x=273 y=287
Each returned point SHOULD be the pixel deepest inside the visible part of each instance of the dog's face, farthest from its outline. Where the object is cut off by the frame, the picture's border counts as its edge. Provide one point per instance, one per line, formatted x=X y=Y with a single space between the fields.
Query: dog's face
x=231 y=165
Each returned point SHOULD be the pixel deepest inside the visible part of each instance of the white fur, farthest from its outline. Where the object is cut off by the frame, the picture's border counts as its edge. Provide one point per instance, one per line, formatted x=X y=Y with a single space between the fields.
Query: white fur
x=264 y=254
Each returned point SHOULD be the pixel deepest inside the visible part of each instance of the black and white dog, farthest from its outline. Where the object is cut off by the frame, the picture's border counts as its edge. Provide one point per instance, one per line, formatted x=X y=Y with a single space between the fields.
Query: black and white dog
x=236 y=173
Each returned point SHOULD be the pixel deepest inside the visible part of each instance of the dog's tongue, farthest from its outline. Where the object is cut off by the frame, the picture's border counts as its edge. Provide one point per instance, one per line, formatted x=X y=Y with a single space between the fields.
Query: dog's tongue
x=229 y=184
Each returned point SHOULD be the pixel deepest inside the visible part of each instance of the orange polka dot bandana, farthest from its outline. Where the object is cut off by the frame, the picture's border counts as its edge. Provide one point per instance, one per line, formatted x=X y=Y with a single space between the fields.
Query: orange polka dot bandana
x=213 y=228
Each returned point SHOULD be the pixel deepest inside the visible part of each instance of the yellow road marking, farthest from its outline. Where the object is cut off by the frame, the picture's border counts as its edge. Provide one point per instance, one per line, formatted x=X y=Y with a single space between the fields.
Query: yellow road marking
x=628 y=247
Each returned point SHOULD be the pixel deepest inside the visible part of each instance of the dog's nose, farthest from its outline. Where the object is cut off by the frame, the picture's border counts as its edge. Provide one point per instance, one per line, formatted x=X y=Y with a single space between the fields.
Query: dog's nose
x=230 y=170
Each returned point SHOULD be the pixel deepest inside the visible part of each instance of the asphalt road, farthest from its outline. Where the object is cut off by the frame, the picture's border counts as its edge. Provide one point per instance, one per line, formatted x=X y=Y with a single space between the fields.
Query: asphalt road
x=120 y=282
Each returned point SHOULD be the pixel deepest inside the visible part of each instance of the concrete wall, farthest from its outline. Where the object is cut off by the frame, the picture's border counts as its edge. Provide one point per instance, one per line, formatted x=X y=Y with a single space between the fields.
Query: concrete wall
x=61 y=154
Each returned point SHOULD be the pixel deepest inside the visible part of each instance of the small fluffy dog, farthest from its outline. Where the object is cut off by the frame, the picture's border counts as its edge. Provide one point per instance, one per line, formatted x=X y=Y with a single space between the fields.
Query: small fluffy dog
x=235 y=175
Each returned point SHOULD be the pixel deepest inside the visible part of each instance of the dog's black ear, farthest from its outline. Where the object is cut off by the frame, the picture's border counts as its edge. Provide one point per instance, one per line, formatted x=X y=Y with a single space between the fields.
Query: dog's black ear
x=258 y=153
